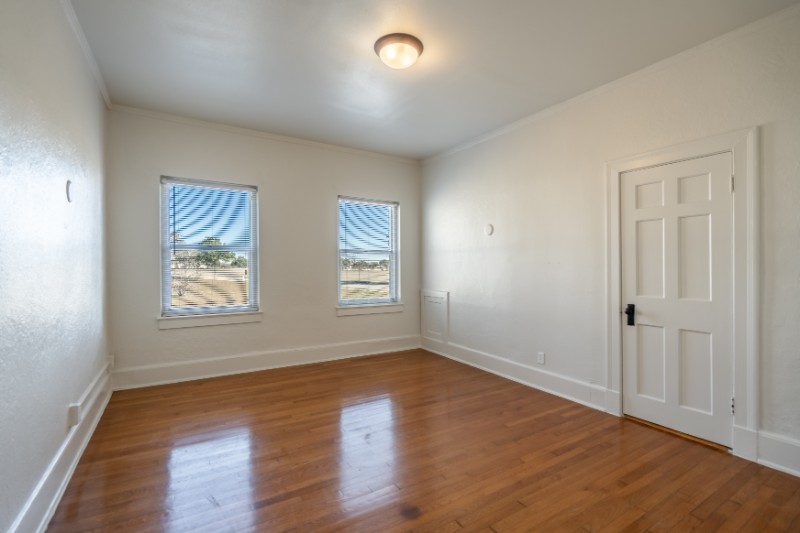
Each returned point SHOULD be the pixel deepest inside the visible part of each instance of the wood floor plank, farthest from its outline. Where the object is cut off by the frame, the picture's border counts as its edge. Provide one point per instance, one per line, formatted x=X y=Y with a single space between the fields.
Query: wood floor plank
x=788 y=512
x=407 y=441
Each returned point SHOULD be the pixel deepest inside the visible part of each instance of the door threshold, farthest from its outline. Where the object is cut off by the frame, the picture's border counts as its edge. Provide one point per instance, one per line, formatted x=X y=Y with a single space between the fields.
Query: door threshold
x=686 y=436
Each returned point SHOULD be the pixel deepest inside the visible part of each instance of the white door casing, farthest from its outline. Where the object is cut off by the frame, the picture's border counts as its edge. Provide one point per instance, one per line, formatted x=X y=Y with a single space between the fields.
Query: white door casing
x=743 y=147
x=677 y=270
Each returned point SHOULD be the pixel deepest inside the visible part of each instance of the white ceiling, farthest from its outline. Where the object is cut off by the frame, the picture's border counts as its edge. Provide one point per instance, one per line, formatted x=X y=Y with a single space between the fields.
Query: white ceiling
x=306 y=68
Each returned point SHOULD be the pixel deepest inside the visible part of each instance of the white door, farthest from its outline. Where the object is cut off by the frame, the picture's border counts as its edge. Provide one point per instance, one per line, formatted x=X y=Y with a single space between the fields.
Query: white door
x=677 y=270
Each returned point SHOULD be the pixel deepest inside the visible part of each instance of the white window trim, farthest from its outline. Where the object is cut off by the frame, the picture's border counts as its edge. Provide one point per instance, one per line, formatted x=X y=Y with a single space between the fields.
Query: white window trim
x=371 y=306
x=227 y=314
x=369 y=309
x=193 y=321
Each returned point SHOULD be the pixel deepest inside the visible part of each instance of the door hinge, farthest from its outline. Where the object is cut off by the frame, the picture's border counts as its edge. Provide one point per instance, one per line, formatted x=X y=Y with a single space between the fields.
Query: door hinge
x=732 y=183
x=733 y=408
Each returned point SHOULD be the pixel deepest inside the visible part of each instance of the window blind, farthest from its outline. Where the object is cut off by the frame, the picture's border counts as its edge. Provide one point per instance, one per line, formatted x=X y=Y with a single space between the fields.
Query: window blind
x=368 y=254
x=209 y=247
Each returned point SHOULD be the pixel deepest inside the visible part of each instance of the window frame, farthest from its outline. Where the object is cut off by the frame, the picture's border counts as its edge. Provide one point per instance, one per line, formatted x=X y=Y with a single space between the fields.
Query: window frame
x=168 y=312
x=393 y=303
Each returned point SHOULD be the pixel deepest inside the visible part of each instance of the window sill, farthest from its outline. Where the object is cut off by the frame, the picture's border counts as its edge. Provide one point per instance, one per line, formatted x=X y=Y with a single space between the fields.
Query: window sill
x=176 y=322
x=368 y=309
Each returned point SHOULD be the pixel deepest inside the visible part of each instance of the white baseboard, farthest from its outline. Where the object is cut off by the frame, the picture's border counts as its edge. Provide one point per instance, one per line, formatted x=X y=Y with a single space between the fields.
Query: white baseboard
x=571 y=389
x=745 y=443
x=145 y=376
x=772 y=450
x=42 y=503
x=614 y=402
x=779 y=452
x=769 y=449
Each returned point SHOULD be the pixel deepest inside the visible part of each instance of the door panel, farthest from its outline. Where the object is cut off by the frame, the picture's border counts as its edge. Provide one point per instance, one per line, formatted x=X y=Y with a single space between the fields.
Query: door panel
x=677 y=259
x=694 y=242
x=695 y=367
x=650 y=258
x=650 y=361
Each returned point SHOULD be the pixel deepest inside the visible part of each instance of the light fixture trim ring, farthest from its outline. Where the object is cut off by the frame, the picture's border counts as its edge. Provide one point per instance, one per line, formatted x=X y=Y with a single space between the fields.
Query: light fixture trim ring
x=393 y=38
x=390 y=41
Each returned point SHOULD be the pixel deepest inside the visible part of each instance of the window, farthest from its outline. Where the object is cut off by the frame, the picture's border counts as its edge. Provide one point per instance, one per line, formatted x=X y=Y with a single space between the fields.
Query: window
x=209 y=247
x=368 y=265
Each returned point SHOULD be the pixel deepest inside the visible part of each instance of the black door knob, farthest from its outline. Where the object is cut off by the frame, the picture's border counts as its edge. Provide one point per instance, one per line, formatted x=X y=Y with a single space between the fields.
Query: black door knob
x=630 y=310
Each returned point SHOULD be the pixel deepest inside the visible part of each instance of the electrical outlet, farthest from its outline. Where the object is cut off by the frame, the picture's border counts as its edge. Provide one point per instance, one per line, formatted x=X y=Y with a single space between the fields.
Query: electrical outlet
x=540 y=358
x=73 y=414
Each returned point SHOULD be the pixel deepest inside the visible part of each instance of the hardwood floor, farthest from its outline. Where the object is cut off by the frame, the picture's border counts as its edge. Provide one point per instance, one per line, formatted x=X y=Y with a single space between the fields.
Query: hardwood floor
x=399 y=442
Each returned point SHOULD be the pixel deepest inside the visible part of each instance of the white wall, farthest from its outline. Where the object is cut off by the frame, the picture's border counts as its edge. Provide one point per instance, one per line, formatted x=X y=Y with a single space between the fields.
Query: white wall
x=298 y=186
x=539 y=283
x=52 y=326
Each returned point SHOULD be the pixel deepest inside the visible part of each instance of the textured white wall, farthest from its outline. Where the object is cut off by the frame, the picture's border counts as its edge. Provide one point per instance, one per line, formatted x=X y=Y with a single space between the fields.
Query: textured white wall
x=52 y=326
x=298 y=187
x=539 y=282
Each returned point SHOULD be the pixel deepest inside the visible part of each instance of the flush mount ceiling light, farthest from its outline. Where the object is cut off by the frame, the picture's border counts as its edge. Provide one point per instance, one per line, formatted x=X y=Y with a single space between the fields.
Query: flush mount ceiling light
x=398 y=50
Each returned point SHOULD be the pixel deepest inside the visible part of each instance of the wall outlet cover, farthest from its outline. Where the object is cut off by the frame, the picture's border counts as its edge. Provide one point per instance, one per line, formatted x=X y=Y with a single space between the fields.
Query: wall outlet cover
x=73 y=414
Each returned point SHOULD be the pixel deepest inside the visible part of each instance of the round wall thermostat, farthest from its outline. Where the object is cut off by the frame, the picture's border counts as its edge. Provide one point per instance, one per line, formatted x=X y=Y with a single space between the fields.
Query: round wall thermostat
x=488 y=229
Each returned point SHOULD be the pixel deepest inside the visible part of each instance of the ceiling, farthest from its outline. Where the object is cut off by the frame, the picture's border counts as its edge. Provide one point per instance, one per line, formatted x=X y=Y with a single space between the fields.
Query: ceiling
x=306 y=68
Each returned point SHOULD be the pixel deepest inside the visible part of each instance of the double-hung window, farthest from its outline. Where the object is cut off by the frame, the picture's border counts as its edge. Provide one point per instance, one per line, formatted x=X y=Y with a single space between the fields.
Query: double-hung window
x=209 y=247
x=368 y=252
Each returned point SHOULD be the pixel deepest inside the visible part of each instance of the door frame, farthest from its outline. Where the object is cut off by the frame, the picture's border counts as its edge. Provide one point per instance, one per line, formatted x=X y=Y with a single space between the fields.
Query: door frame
x=743 y=146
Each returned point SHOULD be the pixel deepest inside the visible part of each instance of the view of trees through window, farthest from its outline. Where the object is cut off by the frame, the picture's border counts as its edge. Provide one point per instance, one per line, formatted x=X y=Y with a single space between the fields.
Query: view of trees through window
x=367 y=251
x=364 y=279
x=211 y=277
x=209 y=247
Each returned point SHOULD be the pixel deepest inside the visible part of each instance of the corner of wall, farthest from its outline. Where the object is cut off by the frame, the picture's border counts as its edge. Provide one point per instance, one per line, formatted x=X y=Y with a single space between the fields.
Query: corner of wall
x=40 y=506
x=779 y=452
x=148 y=375
x=586 y=394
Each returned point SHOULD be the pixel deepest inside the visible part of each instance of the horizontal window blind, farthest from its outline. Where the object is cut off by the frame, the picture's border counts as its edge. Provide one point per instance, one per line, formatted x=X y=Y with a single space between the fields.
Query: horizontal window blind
x=209 y=247
x=368 y=255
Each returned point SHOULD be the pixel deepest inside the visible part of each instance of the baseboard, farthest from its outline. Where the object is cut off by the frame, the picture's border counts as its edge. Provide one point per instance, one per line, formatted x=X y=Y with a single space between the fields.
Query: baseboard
x=614 y=402
x=571 y=389
x=745 y=443
x=779 y=452
x=42 y=503
x=769 y=449
x=772 y=450
x=145 y=376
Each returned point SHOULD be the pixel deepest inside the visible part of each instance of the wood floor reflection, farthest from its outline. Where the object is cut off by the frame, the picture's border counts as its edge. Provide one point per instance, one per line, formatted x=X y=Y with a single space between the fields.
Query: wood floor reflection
x=399 y=442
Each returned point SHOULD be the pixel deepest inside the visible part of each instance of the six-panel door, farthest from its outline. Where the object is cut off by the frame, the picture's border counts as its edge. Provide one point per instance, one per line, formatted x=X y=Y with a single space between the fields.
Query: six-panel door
x=677 y=262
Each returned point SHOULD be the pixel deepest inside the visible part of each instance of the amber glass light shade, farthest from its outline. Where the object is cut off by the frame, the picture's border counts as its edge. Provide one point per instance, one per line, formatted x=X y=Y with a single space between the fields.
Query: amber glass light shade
x=398 y=50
